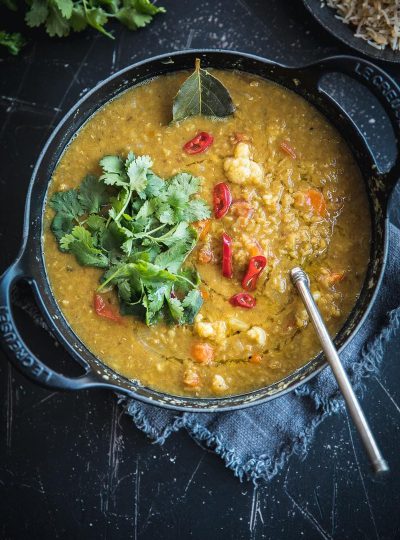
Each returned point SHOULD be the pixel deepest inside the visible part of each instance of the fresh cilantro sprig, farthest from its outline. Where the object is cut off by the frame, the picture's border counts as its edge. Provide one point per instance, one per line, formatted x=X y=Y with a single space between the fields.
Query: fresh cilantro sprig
x=61 y=17
x=137 y=227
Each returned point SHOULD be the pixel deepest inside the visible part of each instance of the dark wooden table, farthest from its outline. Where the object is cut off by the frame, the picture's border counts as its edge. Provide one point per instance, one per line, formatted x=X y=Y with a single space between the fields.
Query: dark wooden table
x=71 y=465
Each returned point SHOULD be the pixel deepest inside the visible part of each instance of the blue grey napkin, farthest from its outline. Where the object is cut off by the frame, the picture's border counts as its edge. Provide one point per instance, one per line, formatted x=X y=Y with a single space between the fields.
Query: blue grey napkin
x=258 y=442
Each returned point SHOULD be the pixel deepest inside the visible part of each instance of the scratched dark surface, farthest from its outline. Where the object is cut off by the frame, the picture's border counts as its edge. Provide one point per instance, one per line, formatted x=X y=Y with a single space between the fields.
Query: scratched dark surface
x=71 y=465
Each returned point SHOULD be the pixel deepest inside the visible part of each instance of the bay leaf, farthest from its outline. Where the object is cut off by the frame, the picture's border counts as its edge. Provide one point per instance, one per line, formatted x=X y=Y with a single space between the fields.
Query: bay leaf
x=202 y=94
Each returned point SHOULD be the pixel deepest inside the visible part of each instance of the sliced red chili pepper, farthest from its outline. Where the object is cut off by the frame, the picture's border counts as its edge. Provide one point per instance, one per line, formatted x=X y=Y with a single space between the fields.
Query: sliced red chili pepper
x=104 y=310
x=222 y=199
x=227 y=269
x=244 y=300
x=256 y=266
x=199 y=144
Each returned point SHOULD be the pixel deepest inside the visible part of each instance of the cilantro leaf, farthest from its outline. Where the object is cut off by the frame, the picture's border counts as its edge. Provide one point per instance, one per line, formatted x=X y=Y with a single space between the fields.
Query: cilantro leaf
x=81 y=243
x=175 y=308
x=173 y=258
x=197 y=210
x=155 y=185
x=78 y=20
x=37 y=13
x=192 y=304
x=96 y=223
x=12 y=41
x=61 y=225
x=67 y=203
x=68 y=210
x=137 y=173
x=65 y=7
x=184 y=183
x=92 y=194
x=56 y=24
x=113 y=171
x=97 y=17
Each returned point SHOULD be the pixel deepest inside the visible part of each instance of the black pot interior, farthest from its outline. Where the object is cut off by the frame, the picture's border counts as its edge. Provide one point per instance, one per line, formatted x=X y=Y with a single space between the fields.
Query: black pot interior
x=299 y=80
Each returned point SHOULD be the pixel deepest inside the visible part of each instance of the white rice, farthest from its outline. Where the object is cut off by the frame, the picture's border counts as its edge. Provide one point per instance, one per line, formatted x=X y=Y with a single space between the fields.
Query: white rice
x=376 y=21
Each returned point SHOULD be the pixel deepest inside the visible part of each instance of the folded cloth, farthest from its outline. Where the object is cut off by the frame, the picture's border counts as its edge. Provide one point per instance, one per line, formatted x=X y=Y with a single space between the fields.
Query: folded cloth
x=257 y=442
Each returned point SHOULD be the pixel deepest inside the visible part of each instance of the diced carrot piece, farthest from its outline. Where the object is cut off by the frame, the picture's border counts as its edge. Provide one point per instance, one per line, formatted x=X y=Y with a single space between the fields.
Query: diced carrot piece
x=289 y=150
x=191 y=378
x=202 y=353
x=204 y=294
x=255 y=249
x=336 y=277
x=205 y=256
x=316 y=199
x=202 y=227
x=255 y=358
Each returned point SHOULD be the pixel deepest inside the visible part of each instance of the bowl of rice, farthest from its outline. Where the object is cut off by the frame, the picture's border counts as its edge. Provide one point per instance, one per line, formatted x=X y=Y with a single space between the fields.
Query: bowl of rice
x=372 y=27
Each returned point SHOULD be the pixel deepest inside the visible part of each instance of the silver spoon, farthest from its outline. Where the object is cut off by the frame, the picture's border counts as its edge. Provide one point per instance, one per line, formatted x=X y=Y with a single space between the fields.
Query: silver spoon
x=302 y=283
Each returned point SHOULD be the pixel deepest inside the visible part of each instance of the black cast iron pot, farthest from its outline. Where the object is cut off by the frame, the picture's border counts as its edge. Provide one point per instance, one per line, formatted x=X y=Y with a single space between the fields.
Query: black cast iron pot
x=30 y=264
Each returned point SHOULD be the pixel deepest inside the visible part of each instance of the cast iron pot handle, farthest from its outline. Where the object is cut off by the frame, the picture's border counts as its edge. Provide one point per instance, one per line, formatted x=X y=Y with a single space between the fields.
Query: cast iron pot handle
x=17 y=351
x=382 y=85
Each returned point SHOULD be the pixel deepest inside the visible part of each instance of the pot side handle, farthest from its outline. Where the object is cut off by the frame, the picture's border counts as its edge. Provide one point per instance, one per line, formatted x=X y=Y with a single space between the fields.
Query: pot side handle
x=381 y=84
x=18 y=352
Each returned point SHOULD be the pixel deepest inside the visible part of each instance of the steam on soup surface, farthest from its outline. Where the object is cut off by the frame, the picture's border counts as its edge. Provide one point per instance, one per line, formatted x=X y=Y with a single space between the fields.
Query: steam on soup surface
x=297 y=199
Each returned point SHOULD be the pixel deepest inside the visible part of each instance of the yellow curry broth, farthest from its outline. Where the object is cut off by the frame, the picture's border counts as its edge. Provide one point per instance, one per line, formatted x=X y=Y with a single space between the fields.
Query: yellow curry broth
x=254 y=347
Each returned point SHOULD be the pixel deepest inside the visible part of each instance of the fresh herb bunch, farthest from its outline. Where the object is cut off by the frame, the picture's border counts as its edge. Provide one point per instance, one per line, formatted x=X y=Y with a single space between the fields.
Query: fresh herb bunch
x=137 y=226
x=60 y=17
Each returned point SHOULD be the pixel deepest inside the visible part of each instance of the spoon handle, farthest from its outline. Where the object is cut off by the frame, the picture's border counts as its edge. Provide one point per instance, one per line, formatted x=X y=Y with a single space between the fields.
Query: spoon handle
x=302 y=283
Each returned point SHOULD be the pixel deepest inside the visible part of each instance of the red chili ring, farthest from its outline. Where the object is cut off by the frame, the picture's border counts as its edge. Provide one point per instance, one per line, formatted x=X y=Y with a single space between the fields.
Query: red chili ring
x=199 y=144
x=244 y=300
x=256 y=266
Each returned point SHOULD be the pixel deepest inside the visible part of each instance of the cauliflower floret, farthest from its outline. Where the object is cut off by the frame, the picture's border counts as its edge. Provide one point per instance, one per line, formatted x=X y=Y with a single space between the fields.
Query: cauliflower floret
x=204 y=329
x=240 y=168
x=258 y=335
x=220 y=331
x=237 y=325
x=219 y=383
x=215 y=331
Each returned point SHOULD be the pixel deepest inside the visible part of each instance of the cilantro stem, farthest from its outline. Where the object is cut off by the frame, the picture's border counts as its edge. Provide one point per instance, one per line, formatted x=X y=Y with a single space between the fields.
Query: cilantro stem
x=122 y=211
x=101 y=287
x=149 y=233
